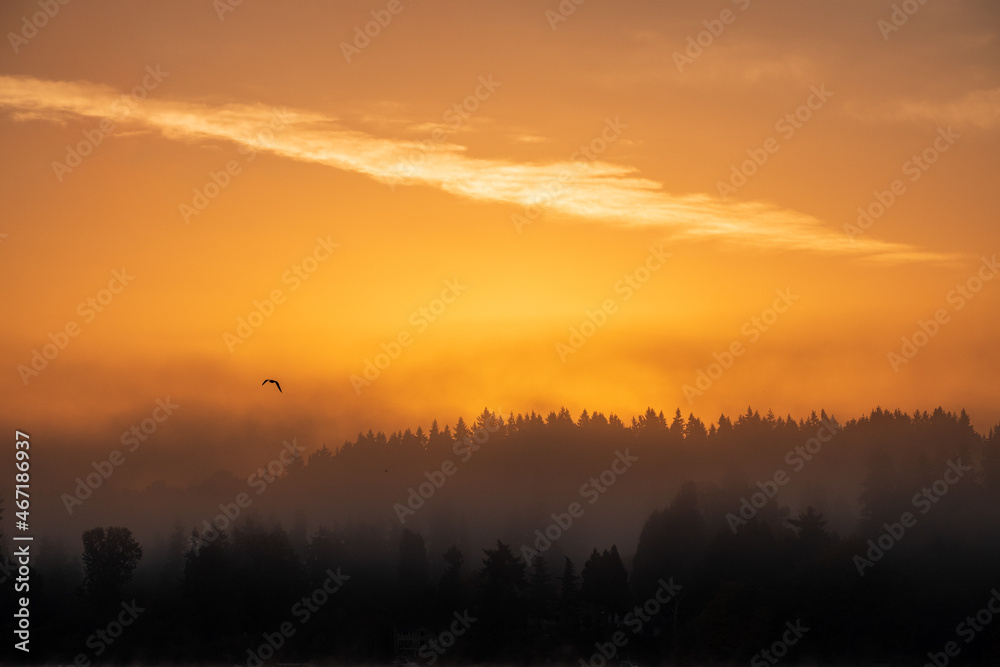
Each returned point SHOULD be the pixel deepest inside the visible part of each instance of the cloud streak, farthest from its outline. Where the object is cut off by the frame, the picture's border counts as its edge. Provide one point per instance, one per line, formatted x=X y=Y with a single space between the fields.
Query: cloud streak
x=978 y=108
x=595 y=191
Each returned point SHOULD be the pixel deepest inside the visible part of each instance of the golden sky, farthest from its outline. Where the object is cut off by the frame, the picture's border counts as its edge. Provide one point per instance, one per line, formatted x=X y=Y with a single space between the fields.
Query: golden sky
x=474 y=182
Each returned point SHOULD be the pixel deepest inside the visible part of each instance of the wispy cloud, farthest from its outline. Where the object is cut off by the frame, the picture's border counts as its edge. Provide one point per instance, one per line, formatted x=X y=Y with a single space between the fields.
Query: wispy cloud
x=595 y=191
x=649 y=55
x=978 y=108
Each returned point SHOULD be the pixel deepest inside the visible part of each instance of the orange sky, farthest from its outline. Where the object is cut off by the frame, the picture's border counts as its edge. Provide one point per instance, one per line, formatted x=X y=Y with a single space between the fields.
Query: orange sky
x=372 y=156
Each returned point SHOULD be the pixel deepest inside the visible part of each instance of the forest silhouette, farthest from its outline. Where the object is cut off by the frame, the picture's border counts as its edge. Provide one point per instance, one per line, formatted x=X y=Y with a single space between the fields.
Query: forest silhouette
x=552 y=539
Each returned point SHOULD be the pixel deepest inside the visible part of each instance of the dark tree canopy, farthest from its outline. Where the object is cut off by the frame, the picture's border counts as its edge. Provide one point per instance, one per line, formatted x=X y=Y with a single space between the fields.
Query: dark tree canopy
x=715 y=577
x=110 y=555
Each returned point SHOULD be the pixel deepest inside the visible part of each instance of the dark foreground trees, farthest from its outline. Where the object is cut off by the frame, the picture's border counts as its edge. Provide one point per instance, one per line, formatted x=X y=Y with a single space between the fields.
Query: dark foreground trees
x=110 y=556
x=710 y=578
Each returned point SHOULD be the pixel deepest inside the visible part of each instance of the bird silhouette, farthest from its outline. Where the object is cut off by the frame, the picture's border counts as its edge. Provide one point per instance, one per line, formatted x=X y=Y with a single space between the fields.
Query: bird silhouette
x=275 y=384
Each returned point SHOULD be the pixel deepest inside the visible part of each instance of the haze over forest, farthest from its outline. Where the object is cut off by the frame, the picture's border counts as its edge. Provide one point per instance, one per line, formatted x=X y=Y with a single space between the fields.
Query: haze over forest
x=577 y=520
x=579 y=333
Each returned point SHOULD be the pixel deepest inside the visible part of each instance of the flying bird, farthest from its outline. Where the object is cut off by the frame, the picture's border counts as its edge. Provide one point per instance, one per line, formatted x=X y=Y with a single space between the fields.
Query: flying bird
x=275 y=384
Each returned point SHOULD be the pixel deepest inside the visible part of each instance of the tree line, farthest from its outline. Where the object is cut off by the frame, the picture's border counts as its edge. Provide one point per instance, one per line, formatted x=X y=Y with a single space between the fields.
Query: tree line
x=694 y=585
